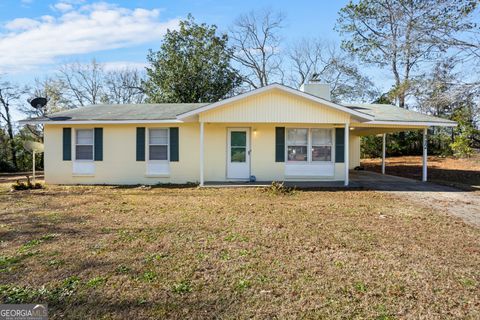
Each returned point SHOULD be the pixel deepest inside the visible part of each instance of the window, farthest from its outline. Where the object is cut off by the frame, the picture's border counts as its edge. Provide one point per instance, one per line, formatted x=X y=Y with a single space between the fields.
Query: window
x=318 y=141
x=297 y=144
x=84 y=144
x=158 y=144
x=238 y=147
x=321 y=144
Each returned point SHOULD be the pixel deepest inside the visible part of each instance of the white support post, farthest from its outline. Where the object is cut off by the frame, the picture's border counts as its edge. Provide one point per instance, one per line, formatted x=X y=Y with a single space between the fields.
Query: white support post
x=425 y=143
x=384 y=138
x=202 y=134
x=33 y=166
x=346 y=153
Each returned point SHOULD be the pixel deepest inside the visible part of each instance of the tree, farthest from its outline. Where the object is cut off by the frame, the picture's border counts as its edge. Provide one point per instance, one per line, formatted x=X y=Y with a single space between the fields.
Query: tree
x=84 y=83
x=466 y=135
x=10 y=94
x=402 y=34
x=192 y=65
x=316 y=58
x=255 y=43
x=124 y=86
x=53 y=90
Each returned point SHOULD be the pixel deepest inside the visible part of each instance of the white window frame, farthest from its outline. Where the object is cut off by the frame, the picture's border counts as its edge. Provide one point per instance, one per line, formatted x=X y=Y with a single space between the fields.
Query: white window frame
x=310 y=148
x=93 y=145
x=288 y=145
x=149 y=144
x=321 y=145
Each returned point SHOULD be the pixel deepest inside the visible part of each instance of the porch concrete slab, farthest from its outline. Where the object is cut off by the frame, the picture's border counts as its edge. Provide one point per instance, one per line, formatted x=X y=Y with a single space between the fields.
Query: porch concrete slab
x=296 y=184
x=376 y=181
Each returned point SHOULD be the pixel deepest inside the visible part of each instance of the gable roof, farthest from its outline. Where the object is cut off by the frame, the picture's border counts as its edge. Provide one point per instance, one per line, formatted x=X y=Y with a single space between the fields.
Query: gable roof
x=179 y=112
x=120 y=113
x=275 y=86
x=389 y=113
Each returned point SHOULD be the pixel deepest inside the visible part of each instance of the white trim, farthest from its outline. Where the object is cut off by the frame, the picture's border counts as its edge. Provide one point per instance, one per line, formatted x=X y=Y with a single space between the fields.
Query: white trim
x=384 y=139
x=202 y=153
x=346 y=153
x=157 y=168
x=358 y=114
x=409 y=123
x=310 y=146
x=147 y=156
x=425 y=155
x=248 y=149
x=99 y=121
x=76 y=144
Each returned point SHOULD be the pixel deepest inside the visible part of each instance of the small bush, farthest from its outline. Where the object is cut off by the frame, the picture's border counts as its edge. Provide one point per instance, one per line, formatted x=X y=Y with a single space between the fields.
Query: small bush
x=26 y=185
x=279 y=188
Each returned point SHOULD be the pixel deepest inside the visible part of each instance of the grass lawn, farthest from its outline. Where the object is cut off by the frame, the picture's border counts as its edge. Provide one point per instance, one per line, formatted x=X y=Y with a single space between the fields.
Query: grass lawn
x=134 y=253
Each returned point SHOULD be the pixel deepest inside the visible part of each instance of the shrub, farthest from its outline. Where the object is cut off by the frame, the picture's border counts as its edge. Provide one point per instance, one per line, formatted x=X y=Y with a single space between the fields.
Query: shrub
x=26 y=185
x=279 y=188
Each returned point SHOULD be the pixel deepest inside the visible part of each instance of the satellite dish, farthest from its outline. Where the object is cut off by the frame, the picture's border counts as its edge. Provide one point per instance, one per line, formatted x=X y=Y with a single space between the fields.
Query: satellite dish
x=33 y=146
x=39 y=103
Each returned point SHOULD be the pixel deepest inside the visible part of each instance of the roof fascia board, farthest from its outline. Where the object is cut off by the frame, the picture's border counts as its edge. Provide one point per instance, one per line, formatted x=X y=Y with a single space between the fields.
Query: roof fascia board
x=98 y=121
x=310 y=97
x=414 y=123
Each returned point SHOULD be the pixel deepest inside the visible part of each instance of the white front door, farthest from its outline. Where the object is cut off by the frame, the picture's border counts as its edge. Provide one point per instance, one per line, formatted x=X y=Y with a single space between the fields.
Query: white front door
x=238 y=158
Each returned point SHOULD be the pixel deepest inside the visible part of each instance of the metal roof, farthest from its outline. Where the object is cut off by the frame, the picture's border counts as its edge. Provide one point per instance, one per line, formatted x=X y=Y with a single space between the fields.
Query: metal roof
x=388 y=112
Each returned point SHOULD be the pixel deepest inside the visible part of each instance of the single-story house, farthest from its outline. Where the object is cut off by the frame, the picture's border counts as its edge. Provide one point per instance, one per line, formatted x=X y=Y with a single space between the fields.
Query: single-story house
x=274 y=133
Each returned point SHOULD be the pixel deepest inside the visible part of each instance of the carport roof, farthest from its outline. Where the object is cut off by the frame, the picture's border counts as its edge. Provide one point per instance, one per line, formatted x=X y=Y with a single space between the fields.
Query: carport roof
x=390 y=113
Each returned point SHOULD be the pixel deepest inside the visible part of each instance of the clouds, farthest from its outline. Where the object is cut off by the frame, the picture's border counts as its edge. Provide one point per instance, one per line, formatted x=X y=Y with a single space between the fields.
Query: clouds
x=27 y=43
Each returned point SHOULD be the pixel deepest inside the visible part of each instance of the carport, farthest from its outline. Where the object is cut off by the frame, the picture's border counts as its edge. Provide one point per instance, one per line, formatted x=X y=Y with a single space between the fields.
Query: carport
x=390 y=119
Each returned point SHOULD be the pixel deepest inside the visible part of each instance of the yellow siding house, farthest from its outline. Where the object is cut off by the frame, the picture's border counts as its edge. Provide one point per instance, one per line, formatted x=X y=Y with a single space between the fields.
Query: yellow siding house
x=275 y=133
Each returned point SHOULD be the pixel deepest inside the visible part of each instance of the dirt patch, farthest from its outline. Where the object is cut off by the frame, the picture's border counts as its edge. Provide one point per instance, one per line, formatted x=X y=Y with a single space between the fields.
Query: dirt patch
x=133 y=253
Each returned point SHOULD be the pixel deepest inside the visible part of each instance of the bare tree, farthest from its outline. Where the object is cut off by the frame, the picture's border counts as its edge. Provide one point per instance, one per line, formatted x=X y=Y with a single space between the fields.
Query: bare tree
x=53 y=90
x=402 y=34
x=124 y=86
x=255 y=44
x=10 y=95
x=326 y=62
x=84 y=83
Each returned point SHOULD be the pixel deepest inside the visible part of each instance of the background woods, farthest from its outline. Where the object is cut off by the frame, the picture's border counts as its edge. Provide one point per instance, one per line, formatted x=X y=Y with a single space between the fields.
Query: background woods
x=429 y=49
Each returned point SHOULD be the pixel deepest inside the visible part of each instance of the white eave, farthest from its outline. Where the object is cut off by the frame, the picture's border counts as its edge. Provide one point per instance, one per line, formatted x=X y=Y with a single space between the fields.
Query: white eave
x=413 y=123
x=357 y=114
x=98 y=121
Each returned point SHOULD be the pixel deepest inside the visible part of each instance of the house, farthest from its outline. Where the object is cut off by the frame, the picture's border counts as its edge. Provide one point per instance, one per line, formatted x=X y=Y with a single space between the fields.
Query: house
x=274 y=133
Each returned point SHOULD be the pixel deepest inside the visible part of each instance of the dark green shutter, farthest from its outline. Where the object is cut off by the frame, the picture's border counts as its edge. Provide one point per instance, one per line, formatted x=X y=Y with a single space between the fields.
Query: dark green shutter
x=98 y=145
x=174 y=144
x=279 y=144
x=339 y=145
x=67 y=144
x=140 y=144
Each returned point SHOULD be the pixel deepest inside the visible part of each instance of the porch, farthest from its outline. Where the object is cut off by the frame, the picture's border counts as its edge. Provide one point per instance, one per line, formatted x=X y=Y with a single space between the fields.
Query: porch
x=359 y=179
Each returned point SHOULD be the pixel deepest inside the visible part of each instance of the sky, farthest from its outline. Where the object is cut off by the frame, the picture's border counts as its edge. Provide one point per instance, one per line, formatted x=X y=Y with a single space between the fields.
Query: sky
x=37 y=36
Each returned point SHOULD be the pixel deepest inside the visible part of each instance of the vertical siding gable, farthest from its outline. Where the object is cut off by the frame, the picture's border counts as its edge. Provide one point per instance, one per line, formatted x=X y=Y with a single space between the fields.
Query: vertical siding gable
x=275 y=106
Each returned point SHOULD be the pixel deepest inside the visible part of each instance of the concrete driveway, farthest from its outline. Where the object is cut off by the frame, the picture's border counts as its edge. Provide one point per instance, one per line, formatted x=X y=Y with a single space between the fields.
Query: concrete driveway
x=463 y=204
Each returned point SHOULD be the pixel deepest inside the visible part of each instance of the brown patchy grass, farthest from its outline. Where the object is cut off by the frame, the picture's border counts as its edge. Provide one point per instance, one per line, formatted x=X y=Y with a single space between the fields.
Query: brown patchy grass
x=461 y=173
x=133 y=253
